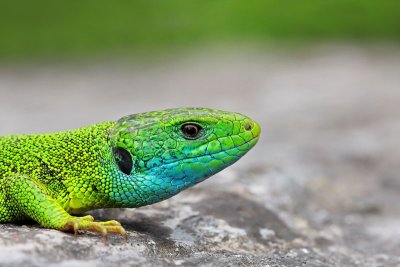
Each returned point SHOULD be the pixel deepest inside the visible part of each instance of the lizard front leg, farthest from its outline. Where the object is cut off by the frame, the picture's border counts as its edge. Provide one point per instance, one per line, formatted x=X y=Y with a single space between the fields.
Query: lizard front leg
x=29 y=198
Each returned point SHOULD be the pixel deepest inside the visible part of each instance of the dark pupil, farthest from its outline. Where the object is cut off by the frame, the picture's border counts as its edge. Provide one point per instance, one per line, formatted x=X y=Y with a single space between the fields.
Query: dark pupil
x=191 y=130
x=123 y=159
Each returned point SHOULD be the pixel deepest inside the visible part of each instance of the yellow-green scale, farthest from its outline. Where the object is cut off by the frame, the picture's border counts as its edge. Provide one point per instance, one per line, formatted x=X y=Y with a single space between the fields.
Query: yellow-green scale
x=71 y=165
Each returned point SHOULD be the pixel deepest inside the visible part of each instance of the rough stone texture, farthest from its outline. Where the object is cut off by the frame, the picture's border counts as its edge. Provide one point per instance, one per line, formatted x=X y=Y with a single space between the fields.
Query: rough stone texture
x=322 y=187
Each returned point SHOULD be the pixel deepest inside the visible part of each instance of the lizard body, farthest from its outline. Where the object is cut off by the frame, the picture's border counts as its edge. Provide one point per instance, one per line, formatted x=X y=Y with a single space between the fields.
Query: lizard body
x=138 y=160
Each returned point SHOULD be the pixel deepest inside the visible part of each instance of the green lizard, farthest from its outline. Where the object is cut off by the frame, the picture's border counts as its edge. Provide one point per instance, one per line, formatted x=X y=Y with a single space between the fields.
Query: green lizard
x=138 y=160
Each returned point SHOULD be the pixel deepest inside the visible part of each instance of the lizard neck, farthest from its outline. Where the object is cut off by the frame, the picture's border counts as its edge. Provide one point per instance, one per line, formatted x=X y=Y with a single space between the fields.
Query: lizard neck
x=131 y=191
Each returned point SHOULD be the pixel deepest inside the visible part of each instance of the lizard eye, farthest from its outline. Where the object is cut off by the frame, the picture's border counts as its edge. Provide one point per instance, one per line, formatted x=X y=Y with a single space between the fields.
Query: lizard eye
x=123 y=159
x=191 y=130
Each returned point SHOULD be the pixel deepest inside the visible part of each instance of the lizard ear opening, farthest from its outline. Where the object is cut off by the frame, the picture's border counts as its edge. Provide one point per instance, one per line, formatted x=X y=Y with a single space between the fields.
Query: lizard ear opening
x=123 y=159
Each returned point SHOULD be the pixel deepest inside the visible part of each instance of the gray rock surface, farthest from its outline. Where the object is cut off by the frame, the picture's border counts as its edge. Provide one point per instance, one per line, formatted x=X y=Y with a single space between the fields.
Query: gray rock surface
x=322 y=187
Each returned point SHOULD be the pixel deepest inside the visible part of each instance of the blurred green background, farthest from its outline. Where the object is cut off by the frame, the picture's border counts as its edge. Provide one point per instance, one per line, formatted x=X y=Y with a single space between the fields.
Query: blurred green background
x=81 y=29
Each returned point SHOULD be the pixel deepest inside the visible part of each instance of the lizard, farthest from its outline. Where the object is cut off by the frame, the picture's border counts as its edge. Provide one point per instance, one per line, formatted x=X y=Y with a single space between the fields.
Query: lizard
x=138 y=160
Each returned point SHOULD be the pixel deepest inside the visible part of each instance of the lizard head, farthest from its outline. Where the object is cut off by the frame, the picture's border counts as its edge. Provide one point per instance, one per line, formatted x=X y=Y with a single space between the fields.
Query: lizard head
x=158 y=154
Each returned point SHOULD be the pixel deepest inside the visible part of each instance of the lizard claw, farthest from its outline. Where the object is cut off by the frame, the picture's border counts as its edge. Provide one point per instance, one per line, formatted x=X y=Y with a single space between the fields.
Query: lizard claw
x=75 y=225
x=87 y=223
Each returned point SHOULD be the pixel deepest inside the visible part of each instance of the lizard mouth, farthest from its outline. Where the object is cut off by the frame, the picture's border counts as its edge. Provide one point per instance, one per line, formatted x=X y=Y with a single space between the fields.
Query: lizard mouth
x=248 y=144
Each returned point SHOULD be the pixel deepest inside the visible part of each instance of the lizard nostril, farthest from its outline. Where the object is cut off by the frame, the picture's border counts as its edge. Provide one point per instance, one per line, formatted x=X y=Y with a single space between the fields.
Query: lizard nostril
x=247 y=127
